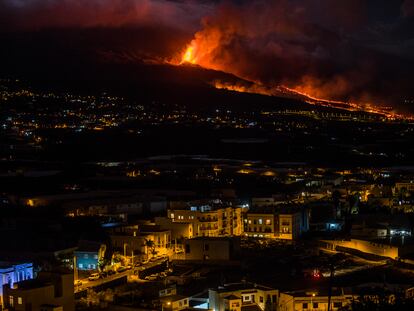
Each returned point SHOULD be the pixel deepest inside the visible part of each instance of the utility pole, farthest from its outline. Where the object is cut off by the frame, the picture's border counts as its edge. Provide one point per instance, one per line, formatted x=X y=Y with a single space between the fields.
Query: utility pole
x=332 y=268
x=75 y=268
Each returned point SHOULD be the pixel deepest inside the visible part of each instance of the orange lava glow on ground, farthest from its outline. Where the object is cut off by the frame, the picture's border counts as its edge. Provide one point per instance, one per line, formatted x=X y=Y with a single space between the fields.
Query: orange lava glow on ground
x=198 y=51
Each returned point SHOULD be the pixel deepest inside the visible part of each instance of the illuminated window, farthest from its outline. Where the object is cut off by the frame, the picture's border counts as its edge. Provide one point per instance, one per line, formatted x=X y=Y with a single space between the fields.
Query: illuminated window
x=260 y=221
x=19 y=300
x=11 y=301
x=268 y=221
x=172 y=215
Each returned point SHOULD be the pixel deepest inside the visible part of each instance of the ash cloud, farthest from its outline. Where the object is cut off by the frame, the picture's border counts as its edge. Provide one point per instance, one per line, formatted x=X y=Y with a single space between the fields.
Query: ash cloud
x=40 y=14
x=347 y=50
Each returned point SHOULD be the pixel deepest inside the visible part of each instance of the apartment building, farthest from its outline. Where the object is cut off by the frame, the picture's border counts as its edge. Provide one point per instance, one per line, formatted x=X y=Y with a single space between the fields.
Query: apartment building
x=209 y=220
x=245 y=295
x=11 y=273
x=50 y=291
x=312 y=300
x=261 y=225
x=275 y=223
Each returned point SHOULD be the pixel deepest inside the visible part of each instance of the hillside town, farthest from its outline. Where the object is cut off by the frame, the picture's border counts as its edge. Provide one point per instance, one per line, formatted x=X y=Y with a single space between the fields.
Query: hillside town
x=286 y=237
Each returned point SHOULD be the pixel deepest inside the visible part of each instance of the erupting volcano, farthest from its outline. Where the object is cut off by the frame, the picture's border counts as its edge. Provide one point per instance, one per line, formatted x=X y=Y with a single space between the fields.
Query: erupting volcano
x=200 y=52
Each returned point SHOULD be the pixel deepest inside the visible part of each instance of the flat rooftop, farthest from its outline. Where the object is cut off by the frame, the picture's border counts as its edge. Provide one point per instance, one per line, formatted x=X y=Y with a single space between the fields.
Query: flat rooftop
x=241 y=286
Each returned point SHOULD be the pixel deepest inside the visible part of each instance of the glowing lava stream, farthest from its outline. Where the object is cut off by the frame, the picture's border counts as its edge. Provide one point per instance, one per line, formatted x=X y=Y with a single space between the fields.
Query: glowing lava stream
x=189 y=56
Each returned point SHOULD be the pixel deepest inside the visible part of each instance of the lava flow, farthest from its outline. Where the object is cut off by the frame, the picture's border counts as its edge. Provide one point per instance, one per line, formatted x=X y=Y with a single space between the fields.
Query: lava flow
x=194 y=56
x=189 y=55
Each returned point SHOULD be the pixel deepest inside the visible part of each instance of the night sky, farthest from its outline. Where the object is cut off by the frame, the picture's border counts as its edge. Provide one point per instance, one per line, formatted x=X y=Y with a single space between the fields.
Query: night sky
x=344 y=49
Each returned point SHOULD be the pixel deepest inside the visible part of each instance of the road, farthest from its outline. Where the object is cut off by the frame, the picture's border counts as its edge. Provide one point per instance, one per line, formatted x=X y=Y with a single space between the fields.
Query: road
x=362 y=264
x=86 y=283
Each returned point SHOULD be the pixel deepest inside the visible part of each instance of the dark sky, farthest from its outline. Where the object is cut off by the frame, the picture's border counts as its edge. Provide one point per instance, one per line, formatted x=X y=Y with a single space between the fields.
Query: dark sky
x=343 y=49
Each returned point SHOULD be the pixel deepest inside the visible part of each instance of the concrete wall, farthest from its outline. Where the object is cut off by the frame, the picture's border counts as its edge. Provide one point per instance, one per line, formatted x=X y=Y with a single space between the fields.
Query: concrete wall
x=207 y=249
x=368 y=247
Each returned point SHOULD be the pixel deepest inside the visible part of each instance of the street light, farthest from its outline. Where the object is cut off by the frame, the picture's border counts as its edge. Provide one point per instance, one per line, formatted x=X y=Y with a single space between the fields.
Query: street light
x=132 y=253
x=168 y=304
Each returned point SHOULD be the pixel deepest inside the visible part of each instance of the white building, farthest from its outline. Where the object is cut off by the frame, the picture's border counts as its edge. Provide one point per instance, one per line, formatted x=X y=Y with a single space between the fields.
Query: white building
x=312 y=300
x=11 y=273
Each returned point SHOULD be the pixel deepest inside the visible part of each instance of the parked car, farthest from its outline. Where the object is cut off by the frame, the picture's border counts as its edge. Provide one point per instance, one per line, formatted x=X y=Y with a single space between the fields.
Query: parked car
x=94 y=277
x=121 y=269
x=151 y=277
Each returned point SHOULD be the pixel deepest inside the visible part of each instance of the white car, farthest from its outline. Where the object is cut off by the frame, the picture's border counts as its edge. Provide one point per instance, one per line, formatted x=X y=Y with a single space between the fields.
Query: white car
x=94 y=277
x=152 y=277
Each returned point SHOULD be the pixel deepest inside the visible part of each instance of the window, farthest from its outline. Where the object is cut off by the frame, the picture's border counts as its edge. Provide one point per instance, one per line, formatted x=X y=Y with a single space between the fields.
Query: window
x=11 y=301
x=268 y=221
x=206 y=247
x=274 y=298
x=246 y=298
x=85 y=256
x=172 y=215
x=315 y=305
x=261 y=298
x=304 y=305
x=187 y=249
x=186 y=302
x=260 y=221
x=19 y=300
x=95 y=256
x=80 y=266
x=337 y=304
x=250 y=222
